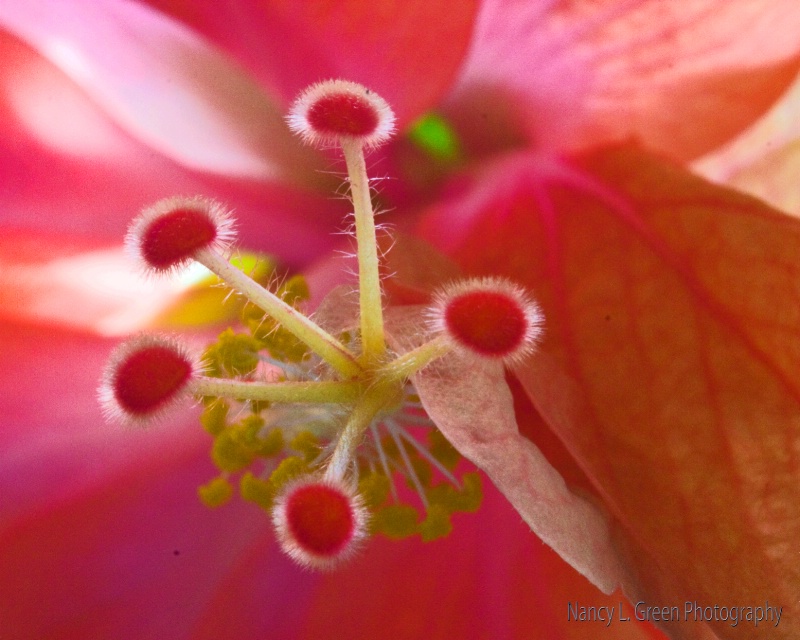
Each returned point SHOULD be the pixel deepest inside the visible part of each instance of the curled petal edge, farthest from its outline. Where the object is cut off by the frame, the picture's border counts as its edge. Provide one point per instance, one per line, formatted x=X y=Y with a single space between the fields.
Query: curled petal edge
x=473 y=407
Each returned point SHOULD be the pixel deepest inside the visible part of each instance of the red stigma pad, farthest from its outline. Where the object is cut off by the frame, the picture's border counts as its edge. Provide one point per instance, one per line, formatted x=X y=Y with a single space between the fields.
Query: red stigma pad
x=320 y=519
x=176 y=236
x=343 y=114
x=149 y=378
x=490 y=323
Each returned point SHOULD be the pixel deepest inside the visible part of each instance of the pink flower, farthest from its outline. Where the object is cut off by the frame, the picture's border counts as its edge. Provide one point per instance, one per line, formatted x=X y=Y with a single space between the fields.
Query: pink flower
x=668 y=332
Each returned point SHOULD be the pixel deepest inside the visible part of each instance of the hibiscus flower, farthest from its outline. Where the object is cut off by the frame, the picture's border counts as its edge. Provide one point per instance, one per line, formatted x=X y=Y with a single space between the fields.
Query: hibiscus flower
x=621 y=248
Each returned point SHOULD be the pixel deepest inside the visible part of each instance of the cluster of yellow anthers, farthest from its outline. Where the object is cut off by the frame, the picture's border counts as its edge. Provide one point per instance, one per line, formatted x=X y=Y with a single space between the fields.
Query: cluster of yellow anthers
x=315 y=424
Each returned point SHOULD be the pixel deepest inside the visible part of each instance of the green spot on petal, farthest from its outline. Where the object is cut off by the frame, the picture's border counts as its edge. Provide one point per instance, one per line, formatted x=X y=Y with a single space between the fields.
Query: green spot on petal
x=434 y=135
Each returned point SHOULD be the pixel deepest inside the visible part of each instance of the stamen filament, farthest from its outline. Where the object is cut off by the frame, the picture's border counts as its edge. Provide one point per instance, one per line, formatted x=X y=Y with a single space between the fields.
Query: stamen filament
x=384 y=463
x=424 y=453
x=318 y=340
x=288 y=392
x=372 y=335
x=412 y=474
x=289 y=369
x=403 y=367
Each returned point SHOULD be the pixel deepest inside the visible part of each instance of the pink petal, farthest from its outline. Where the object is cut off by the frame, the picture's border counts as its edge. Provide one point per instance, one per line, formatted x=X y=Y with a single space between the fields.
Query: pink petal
x=69 y=169
x=55 y=443
x=679 y=77
x=160 y=82
x=408 y=51
x=490 y=578
x=49 y=279
x=141 y=557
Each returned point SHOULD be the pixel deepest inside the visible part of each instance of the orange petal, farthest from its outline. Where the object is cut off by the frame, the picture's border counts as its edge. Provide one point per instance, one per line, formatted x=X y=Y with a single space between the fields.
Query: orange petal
x=670 y=362
x=765 y=159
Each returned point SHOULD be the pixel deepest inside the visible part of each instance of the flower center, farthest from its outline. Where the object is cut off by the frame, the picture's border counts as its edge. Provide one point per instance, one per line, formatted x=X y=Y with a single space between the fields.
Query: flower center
x=314 y=424
x=270 y=446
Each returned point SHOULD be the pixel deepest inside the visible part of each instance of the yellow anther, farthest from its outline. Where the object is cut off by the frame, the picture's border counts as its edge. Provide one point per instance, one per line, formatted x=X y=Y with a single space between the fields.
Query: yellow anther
x=256 y=490
x=257 y=406
x=271 y=444
x=281 y=344
x=214 y=417
x=442 y=450
x=374 y=489
x=246 y=431
x=234 y=354
x=447 y=497
x=390 y=448
x=437 y=524
x=471 y=495
x=295 y=290
x=215 y=493
x=307 y=444
x=423 y=470
x=289 y=469
x=228 y=454
x=396 y=521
